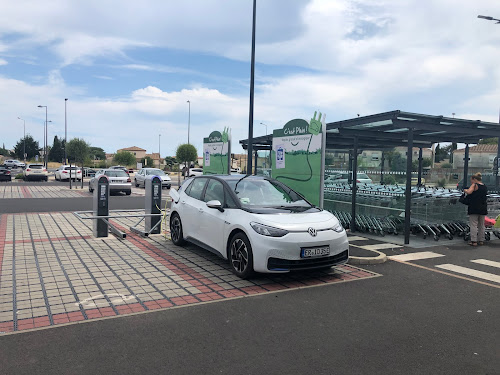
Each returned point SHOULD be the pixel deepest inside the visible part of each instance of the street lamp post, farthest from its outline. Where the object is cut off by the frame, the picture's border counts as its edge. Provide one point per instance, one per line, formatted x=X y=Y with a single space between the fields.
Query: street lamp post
x=159 y=151
x=65 y=131
x=252 y=75
x=24 y=139
x=497 y=183
x=46 y=133
x=189 y=117
x=265 y=126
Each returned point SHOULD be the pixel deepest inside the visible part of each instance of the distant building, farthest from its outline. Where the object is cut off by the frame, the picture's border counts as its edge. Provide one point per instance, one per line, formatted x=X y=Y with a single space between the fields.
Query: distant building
x=138 y=152
x=481 y=156
x=427 y=153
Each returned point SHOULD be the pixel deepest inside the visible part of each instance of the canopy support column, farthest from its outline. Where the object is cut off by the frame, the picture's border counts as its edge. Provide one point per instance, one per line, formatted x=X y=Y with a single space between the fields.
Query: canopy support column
x=466 y=167
x=382 y=169
x=354 y=183
x=409 y=154
x=255 y=163
x=420 y=165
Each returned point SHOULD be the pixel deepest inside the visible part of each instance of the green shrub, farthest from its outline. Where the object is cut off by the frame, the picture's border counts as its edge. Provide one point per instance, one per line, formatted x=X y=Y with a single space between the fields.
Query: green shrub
x=441 y=182
x=447 y=165
x=389 y=180
x=19 y=176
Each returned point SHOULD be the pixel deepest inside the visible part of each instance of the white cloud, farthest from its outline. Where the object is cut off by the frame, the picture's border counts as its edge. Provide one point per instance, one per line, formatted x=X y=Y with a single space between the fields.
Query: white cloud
x=3 y=62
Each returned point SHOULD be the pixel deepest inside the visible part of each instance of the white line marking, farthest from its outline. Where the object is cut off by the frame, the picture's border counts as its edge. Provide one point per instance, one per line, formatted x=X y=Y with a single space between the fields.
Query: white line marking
x=356 y=238
x=416 y=256
x=379 y=246
x=470 y=272
x=487 y=262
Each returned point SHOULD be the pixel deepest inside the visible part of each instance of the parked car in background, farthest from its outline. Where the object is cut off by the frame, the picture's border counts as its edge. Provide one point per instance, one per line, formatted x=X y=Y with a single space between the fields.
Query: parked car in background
x=145 y=173
x=343 y=178
x=13 y=163
x=125 y=169
x=195 y=172
x=65 y=172
x=5 y=174
x=257 y=224
x=119 y=181
x=88 y=172
x=35 y=171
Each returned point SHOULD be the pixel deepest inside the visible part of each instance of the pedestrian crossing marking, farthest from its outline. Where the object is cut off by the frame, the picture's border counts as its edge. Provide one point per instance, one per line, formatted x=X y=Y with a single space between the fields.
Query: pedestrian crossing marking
x=415 y=256
x=487 y=262
x=470 y=272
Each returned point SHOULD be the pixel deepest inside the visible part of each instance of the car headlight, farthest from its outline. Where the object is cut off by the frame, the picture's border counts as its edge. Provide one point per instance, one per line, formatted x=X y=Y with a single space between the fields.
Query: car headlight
x=266 y=230
x=338 y=228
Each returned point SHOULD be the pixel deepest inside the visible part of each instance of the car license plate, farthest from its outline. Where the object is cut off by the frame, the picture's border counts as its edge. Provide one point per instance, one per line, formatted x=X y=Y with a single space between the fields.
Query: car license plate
x=315 y=252
x=116 y=181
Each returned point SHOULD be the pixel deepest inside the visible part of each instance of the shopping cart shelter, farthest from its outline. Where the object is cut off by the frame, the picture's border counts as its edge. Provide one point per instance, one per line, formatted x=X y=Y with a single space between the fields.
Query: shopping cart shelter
x=384 y=132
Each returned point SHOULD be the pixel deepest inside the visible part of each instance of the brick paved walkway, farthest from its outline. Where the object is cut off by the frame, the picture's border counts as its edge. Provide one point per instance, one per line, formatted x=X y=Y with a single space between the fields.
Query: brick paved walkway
x=53 y=271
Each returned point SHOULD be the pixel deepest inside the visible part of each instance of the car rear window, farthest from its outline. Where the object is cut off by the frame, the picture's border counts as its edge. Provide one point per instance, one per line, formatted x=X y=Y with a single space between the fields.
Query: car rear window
x=36 y=166
x=363 y=175
x=70 y=168
x=116 y=173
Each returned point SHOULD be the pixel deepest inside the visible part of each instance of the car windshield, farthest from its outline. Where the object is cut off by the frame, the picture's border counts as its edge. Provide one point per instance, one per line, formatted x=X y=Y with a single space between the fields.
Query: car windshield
x=155 y=172
x=266 y=193
x=116 y=173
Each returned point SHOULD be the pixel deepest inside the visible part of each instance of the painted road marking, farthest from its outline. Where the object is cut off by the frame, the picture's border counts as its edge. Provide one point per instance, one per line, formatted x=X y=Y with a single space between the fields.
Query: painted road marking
x=379 y=246
x=356 y=238
x=487 y=262
x=415 y=256
x=470 y=272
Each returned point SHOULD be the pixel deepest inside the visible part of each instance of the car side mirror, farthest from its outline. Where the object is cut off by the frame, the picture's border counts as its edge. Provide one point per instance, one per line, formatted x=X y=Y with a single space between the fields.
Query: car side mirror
x=215 y=204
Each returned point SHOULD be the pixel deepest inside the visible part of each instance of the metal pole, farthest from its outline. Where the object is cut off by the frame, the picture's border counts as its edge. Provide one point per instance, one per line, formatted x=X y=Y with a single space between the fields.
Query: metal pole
x=420 y=165
x=159 y=151
x=498 y=158
x=466 y=167
x=256 y=155
x=250 y=115
x=46 y=140
x=409 y=154
x=382 y=168
x=24 y=139
x=65 y=131
x=265 y=126
x=354 y=161
x=189 y=117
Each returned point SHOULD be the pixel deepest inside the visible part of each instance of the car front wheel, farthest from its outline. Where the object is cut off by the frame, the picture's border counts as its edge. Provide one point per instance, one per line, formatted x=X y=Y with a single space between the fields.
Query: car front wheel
x=136 y=184
x=176 y=229
x=241 y=256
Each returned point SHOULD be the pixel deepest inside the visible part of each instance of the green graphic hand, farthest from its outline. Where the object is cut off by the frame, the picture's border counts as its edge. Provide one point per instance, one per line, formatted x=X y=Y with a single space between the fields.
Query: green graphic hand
x=225 y=135
x=315 y=125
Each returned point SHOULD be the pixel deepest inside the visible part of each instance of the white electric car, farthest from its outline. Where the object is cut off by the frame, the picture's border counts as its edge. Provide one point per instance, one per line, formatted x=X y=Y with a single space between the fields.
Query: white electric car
x=257 y=223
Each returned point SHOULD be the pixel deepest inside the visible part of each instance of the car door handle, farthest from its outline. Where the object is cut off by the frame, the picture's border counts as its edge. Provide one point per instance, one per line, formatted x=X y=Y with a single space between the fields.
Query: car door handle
x=200 y=210
x=183 y=202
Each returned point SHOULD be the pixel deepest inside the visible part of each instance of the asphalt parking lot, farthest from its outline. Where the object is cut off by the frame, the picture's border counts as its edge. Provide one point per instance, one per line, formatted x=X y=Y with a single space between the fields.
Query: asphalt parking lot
x=71 y=303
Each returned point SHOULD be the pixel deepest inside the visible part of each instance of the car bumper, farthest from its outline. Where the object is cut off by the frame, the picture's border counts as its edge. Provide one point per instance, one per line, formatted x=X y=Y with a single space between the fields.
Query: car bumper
x=66 y=177
x=283 y=254
x=36 y=176
x=5 y=178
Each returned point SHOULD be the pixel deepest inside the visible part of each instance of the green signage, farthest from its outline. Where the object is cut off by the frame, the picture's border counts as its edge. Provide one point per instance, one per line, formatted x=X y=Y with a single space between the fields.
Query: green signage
x=217 y=152
x=298 y=157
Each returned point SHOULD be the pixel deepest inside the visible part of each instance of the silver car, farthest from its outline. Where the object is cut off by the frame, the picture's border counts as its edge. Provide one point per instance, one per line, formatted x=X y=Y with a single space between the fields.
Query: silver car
x=119 y=181
x=146 y=173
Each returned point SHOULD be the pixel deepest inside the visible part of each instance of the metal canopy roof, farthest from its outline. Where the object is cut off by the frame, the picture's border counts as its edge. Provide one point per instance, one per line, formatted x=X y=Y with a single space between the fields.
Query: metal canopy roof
x=390 y=129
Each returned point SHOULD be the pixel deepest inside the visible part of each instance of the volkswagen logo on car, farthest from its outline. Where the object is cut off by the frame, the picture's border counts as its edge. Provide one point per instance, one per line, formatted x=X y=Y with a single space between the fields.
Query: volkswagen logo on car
x=312 y=231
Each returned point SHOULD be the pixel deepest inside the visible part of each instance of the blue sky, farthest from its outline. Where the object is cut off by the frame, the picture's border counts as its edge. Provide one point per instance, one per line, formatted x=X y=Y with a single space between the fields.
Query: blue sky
x=128 y=70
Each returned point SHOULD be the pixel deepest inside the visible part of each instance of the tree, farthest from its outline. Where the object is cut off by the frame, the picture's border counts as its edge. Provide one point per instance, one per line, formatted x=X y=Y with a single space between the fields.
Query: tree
x=56 y=152
x=170 y=161
x=398 y=163
x=124 y=158
x=97 y=153
x=186 y=153
x=4 y=151
x=32 y=148
x=147 y=162
x=437 y=154
x=488 y=141
x=78 y=150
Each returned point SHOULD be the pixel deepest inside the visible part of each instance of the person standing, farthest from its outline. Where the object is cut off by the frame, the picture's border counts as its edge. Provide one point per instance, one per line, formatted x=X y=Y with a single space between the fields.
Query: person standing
x=477 y=209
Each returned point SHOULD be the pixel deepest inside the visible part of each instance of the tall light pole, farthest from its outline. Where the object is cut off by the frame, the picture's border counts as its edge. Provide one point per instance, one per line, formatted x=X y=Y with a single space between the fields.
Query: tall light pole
x=497 y=183
x=24 y=139
x=189 y=117
x=159 y=151
x=46 y=133
x=250 y=115
x=265 y=126
x=65 y=130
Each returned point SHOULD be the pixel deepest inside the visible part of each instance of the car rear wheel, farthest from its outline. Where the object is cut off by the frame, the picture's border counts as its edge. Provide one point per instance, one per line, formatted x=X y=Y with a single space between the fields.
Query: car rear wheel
x=128 y=192
x=136 y=184
x=241 y=256
x=176 y=229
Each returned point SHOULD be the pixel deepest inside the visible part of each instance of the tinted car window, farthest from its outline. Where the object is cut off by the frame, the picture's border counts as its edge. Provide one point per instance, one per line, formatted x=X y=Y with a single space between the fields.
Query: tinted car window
x=155 y=172
x=116 y=173
x=36 y=166
x=215 y=191
x=196 y=188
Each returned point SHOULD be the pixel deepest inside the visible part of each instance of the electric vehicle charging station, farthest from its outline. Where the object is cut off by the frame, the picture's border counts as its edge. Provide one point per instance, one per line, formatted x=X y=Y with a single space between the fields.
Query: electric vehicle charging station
x=101 y=207
x=153 y=205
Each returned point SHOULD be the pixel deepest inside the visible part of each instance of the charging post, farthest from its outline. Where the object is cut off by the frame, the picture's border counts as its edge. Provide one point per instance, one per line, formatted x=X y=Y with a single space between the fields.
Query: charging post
x=153 y=205
x=101 y=207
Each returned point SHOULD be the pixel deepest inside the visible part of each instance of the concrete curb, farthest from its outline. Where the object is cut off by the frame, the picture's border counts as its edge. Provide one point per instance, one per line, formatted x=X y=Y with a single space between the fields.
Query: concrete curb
x=380 y=258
